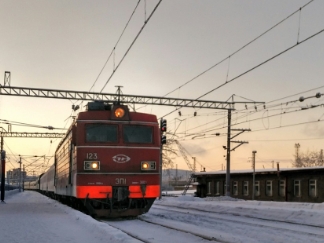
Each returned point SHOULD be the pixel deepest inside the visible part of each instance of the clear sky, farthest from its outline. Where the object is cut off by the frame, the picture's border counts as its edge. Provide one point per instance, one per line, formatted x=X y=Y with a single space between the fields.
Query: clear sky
x=65 y=44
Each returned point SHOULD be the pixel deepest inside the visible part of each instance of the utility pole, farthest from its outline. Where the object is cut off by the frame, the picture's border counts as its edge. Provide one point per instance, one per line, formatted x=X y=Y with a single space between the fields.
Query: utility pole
x=19 y=183
x=228 y=149
x=297 y=146
x=176 y=177
x=228 y=152
x=253 y=166
x=23 y=176
x=194 y=164
x=3 y=170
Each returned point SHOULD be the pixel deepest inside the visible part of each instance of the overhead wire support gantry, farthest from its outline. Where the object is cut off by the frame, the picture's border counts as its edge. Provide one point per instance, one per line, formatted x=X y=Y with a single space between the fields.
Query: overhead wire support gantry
x=31 y=135
x=131 y=99
x=109 y=97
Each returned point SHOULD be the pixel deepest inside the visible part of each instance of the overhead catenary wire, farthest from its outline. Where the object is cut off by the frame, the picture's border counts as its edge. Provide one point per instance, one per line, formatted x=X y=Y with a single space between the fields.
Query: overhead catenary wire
x=238 y=50
x=256 y=119
x=248 y=113
x=115 y=46
x=131 y=45
x=255 y=67
x=254 y=130
x=29 y=125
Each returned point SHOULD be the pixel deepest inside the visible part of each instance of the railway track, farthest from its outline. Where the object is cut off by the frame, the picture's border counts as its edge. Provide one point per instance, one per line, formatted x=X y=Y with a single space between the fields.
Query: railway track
x=249 y=219
x=156 y=232
x=192 y=225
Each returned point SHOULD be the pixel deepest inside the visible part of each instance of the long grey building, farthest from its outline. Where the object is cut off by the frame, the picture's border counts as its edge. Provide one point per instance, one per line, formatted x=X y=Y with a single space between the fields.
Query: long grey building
x=291 y=185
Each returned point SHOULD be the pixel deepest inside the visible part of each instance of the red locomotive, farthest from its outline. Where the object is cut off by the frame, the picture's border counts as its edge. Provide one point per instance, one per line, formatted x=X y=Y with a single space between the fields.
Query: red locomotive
x=108 y=162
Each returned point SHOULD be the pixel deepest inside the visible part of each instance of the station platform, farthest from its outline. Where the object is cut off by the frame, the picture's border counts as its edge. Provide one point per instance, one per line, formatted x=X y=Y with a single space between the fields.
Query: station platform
x=31 y=217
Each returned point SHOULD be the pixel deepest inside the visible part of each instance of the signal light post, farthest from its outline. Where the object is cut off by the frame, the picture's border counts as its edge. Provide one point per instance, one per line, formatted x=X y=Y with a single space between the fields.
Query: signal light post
x=163 y=129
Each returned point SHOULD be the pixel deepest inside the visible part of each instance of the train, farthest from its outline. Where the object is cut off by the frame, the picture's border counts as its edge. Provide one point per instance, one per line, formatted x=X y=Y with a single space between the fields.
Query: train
x=108 y=162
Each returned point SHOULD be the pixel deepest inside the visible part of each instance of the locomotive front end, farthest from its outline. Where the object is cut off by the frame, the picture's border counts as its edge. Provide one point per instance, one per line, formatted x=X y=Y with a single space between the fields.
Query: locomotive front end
x=118 y=161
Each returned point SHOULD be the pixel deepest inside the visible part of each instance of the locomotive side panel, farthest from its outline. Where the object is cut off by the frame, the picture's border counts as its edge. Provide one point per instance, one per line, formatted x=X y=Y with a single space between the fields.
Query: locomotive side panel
x=47 y=181
x=64 y=166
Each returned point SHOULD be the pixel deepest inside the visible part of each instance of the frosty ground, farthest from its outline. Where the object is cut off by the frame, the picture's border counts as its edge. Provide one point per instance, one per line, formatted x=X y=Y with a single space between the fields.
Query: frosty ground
x=31 y=217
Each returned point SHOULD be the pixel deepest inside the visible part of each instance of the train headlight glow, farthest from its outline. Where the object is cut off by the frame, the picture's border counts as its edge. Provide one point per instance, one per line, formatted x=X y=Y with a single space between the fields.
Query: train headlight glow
x=94 y=165
x=119 y=112
x=148 y=165
x=91 y=165
x=145 y=166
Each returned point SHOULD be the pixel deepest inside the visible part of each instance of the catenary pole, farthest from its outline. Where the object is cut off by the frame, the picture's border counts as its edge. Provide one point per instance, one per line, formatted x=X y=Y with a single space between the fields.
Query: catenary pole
x=228 y=153
x=3 y=169
x=19 y=175
x=253 y=181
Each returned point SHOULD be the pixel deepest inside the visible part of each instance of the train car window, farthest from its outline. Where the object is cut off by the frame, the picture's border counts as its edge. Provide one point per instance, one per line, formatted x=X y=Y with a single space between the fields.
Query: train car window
x=101 y=133
x=137 y=134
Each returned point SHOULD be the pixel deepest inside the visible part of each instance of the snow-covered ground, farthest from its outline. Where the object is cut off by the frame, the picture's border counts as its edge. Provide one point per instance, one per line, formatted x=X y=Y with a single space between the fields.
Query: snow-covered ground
x=30 y=217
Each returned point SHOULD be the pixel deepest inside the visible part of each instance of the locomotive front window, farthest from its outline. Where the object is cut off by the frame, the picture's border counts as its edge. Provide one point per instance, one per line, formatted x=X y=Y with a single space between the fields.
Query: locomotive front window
x=101 y=133
x=137 y=134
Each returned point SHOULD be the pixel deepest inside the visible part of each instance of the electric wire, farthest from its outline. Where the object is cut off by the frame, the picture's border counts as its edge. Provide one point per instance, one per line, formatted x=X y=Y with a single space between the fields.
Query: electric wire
x=2 y=121
x=240 y=49
x=255 y=67
x=272 y=107
x=262 y=63
x=223 y=125
x=258 y=130
x=131 y=45
x=113 y=50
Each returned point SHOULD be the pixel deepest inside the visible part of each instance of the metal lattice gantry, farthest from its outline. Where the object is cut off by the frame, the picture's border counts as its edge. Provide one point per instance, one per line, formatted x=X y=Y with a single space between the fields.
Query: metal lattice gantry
x=31 y=135
x=108 y=97
x=7 y=78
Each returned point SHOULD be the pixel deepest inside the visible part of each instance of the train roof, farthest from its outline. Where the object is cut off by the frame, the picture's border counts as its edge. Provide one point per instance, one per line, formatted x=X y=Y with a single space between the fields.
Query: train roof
x=106 y=115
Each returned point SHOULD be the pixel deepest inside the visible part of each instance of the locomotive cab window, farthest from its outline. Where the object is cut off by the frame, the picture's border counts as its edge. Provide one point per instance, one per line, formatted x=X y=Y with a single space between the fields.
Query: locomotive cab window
x=101 y=133
x=137 y=134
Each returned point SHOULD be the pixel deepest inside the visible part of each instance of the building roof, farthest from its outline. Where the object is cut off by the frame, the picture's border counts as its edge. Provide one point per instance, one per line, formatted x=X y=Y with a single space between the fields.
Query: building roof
x=258 y=171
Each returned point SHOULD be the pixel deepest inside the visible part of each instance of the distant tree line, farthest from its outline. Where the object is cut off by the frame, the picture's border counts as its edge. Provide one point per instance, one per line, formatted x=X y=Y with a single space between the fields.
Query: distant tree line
x=308 y=159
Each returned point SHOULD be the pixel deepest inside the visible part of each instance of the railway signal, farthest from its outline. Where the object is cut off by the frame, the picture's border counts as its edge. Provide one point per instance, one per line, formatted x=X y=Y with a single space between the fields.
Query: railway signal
x=163 y=139
x=163 y=125
x=163 y=128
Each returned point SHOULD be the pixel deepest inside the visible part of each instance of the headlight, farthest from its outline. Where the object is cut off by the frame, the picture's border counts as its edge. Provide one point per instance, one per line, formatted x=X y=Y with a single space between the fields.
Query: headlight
x=148 y=165
x=91 y=165
x=119 y=112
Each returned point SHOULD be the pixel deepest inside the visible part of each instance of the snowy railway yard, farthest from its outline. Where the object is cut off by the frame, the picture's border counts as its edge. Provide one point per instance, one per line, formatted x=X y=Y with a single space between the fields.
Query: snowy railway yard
x=30 y=217
x=188 y=219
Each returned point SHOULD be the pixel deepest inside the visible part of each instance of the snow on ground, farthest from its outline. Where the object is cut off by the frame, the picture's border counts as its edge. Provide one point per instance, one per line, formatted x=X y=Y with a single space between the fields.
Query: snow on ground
x=31 y=217
x=303 y=213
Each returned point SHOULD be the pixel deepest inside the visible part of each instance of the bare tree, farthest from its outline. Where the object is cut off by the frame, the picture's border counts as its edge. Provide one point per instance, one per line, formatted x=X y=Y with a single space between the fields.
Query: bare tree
x=168 y=154
x=309 y=159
